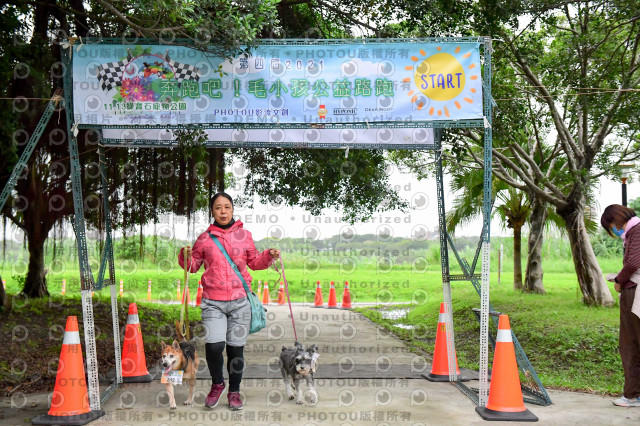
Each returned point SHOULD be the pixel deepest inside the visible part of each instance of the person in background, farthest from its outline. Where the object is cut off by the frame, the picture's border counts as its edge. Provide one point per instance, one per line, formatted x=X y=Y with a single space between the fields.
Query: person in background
x=226 y=312
x=621 y=221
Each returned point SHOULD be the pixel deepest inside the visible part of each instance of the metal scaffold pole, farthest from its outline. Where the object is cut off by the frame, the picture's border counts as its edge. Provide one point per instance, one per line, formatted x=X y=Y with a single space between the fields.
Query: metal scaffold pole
x=444 y=263
x=108 y=255
x=486 y=243
x=86 y=277
x=31 y=144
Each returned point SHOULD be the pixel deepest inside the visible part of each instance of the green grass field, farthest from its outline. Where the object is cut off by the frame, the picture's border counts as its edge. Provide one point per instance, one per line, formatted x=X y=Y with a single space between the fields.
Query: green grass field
x=571 y=346
x=367 y=284
x=370 y=279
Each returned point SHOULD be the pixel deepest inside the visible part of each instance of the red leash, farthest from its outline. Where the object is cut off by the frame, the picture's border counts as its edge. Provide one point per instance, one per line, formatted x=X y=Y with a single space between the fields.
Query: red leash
x=286 y=289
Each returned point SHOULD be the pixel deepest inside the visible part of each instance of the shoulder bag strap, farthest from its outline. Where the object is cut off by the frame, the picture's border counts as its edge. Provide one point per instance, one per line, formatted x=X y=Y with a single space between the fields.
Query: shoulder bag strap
x=231 y=262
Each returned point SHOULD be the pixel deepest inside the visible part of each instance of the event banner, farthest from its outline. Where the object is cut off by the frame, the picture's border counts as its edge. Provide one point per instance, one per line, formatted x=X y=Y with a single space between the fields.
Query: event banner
x=282 y=84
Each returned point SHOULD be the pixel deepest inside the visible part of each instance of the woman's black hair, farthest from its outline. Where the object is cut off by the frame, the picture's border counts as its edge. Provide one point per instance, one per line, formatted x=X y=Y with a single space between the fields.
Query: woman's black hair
x=221 y=194
x=615 y=215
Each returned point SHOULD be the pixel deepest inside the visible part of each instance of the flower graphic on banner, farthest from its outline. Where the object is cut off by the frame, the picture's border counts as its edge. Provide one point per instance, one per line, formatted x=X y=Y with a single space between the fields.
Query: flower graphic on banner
x=443 y=78
x=137 y=89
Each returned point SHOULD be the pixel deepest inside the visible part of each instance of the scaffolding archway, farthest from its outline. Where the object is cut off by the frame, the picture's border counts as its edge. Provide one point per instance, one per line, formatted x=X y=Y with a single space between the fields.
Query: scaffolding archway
x=221 y=134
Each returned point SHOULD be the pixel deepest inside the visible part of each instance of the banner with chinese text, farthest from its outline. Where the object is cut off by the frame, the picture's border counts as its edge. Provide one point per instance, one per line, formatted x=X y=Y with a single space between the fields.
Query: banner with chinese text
x=300 y=84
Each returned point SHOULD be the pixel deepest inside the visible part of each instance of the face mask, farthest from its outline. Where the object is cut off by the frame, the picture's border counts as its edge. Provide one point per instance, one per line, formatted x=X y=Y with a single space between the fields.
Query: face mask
x=617 y=231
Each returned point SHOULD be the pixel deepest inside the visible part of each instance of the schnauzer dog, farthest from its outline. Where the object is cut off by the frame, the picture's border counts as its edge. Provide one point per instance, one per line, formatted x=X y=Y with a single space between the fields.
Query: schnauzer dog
x=298 y=363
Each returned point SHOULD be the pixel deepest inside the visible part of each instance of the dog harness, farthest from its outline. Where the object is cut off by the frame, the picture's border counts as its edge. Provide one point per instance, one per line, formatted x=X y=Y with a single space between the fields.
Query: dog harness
x=189 y=351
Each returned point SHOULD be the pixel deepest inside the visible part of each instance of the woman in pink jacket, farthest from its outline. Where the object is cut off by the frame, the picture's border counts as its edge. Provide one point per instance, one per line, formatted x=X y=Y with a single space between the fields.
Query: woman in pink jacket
x=226 y=312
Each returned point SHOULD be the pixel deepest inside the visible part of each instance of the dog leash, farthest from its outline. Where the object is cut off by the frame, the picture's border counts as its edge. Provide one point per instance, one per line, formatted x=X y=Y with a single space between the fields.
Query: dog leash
x=184 y=309
x=286 y=290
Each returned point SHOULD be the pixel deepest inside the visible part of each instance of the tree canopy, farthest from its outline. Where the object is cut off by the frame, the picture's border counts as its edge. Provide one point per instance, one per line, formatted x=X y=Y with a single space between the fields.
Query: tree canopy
x=566 y=84
x=145 y=183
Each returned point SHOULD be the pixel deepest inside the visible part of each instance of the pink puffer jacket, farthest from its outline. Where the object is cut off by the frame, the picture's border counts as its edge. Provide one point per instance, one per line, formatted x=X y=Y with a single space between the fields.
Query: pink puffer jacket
x=219 y=281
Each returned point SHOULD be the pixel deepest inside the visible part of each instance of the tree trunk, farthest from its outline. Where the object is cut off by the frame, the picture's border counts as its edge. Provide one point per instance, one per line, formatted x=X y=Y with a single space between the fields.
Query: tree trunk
x=592 y=284
x=38 y=221
x=35 y=285
x=517 y=257
x=182 y=185
x=533 y=276
x=4 y=300
x=211 y=177
x=220 y=169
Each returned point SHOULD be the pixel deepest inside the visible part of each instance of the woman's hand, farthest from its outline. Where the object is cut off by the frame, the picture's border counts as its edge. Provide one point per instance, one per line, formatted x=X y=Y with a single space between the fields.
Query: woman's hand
x=274 y=253
x=617 y=287
x=186 y=252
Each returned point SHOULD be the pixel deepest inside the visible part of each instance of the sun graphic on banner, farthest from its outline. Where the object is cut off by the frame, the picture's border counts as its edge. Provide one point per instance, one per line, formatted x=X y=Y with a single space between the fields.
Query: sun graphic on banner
x=441 y=77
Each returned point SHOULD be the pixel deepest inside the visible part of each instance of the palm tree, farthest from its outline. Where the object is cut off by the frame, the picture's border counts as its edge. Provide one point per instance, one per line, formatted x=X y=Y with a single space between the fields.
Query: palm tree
x=513 y=209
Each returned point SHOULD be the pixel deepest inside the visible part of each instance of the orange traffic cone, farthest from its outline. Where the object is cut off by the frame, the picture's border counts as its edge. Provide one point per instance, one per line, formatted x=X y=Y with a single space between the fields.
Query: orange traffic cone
x=265 y=294
x=121 y=288
x=318 y=303
x=281 y=300
x=199 y=295
x=149 y=290
x=63 y=290
x=179 y=294
x=346 y=296
x=259 y=290
x=134 y=365
x=440 y=367
x=333 y=300
x=70 y=399
x=505 y=394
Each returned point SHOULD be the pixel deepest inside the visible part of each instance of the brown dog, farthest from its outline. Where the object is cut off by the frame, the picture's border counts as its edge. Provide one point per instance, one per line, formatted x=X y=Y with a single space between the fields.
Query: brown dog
x=180 y=356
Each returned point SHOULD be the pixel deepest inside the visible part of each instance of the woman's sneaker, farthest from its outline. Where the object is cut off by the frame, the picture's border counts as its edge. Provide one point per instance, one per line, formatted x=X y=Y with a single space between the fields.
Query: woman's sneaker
x=626 y=402
x=214 y=395
x=235 y=403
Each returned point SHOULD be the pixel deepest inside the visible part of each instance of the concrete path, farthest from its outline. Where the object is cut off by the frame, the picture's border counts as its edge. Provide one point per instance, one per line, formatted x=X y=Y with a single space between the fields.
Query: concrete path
x=365 y=376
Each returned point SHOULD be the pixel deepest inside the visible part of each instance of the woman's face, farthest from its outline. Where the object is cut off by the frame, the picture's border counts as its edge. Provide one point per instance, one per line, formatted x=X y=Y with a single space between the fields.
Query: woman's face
x=222 y=210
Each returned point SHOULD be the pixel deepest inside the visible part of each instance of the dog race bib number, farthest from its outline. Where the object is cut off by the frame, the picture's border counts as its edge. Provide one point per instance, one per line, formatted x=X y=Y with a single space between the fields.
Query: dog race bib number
x=174 y=376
